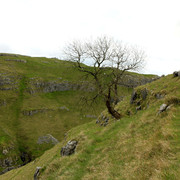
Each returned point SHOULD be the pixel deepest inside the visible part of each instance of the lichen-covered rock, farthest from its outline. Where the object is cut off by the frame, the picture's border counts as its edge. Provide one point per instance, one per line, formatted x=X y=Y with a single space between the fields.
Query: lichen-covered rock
x=163 y=108
x=49 y=139
x=176 y=73
x=69 y=148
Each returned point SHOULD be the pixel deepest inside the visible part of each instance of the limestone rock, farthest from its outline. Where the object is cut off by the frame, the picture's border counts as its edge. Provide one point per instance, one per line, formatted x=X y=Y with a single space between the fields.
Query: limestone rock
x=163 y=107
x=176 y=73
x=133 y=97
x=64 y=108
x=69 y=148
x=16 y=60
x=37 y=172
x=49 y=139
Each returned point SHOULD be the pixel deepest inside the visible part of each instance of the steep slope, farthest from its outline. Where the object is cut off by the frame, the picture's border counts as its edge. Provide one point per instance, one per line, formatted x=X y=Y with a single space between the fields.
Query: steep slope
x=41 y=96
x=144 y=144
x=38 y=96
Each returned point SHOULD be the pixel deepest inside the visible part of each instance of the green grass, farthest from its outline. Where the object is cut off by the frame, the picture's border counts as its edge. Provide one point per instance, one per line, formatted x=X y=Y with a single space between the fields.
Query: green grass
x=20 y=132
x=141 y=146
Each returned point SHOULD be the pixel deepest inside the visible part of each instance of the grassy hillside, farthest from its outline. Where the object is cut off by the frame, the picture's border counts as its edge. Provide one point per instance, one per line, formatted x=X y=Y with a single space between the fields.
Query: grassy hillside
x=143 y=144
x=40 y=96
x=29 y=110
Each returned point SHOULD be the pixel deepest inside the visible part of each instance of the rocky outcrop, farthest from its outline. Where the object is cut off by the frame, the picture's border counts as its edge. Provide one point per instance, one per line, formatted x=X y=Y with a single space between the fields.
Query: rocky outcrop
x=133 y=81
x=34 y=111
x=138 y=96
x=133 y=97
x=16 y=60
x=47 y=139
x=176 y=74
x=55 y=86
x=6 y=54
x=69 y=148
x=8 y=82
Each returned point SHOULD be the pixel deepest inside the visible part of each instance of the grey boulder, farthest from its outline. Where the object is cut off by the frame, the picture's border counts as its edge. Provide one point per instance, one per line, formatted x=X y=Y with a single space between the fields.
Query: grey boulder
x=163 y=107
x=69 y=148
x=176 y=73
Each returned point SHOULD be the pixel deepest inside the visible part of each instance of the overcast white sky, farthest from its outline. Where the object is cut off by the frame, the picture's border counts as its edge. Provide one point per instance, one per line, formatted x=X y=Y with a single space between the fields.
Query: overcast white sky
x=43 y=27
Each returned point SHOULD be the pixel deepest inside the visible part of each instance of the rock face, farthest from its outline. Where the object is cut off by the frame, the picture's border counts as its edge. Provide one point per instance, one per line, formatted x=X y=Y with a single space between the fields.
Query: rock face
x=133 y=81
x=55 y=86
x=133 y=97
x=69 y=148
x=137 y=95
x=16 y=60
x=176 y=74
x=49 y=139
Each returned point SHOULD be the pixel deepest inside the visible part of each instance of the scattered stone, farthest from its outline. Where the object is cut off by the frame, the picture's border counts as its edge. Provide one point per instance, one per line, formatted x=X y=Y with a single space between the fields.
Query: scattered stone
x=69 y=148
x=64 y=108
x=49 y=139
x=37 y=172
x=162 y=108
x=90 y=116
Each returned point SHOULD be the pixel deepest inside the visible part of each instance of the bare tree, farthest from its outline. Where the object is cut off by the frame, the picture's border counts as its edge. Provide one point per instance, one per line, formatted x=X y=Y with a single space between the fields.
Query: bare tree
x=109 y=61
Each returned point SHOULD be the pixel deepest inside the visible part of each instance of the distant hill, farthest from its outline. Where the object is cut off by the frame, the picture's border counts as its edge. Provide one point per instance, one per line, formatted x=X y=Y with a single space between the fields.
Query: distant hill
x=40 y=100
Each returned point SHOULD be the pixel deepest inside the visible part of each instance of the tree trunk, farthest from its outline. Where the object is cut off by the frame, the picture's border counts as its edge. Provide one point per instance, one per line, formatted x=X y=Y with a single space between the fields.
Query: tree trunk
x=111 y=109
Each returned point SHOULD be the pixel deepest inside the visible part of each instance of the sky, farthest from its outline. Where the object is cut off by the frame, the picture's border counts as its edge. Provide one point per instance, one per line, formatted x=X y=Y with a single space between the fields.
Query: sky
x=44 y=27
